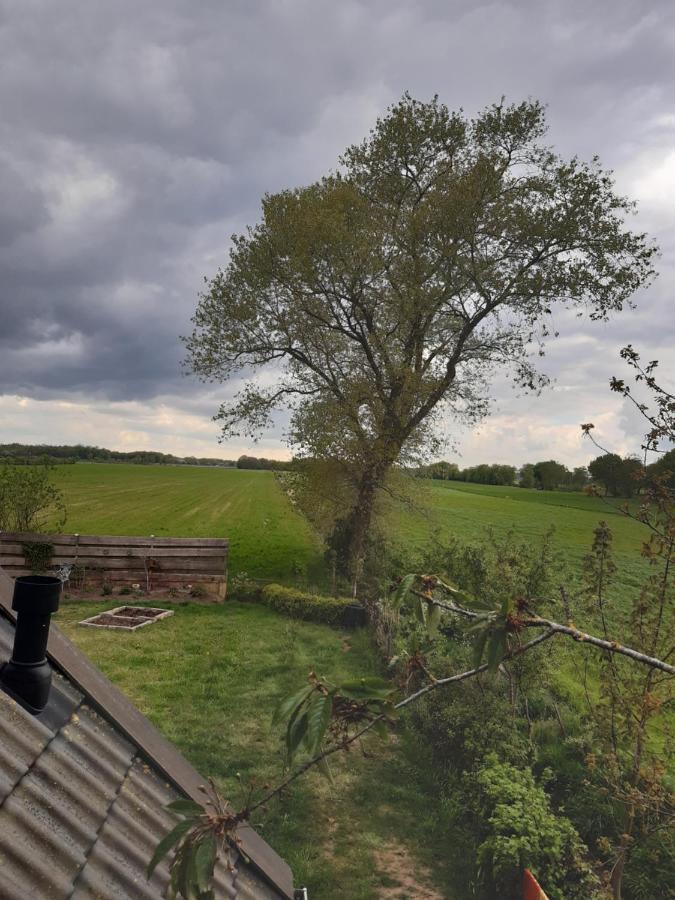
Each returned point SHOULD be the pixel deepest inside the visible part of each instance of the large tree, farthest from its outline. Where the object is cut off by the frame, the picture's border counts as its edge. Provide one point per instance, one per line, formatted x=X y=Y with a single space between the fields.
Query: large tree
x=380 y=297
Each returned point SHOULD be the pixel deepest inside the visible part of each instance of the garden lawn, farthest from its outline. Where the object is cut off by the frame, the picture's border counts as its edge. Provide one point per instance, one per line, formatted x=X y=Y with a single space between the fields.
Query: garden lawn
x=209 y=677
x=268 y=538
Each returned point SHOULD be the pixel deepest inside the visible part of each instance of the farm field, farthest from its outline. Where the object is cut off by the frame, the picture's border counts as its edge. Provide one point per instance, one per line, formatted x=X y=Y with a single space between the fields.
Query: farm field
x=466 y=511
x=268 y=539
x=209 y=677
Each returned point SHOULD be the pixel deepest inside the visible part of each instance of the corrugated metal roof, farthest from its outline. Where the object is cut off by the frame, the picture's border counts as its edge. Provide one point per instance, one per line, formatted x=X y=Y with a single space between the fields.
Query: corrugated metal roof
x=82 y=806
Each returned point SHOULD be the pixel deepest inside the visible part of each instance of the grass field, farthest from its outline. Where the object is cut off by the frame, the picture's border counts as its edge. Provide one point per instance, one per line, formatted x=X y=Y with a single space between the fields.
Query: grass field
x=467 y=510
x=209 y=678
x=268 y=539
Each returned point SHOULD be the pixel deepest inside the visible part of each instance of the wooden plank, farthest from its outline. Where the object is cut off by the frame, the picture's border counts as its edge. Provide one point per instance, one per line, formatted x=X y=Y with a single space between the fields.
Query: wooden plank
x=66 y=553
x=96 y=541
x=86 y=540
x=127 y=576
x=136 y=564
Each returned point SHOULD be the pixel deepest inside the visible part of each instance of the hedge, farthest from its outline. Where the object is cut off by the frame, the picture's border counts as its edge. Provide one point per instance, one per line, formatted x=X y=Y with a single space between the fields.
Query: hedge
x=295 y=603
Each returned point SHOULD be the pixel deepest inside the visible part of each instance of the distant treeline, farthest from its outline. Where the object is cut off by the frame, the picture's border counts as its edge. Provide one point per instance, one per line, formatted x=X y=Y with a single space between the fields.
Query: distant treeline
x=546 y=475
x=259 y=462
x=619 y=477
x=63 y=454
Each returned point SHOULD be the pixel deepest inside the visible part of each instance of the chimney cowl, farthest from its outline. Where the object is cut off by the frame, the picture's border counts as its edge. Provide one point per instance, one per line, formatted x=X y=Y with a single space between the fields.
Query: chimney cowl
x=27 y=676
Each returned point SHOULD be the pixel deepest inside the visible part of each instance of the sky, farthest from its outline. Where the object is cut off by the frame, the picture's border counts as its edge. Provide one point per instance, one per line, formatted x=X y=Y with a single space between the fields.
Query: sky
x=136 y=138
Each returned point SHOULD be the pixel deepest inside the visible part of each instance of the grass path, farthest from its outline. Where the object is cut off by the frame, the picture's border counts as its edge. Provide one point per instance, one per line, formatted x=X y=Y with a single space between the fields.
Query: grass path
x=209 y=678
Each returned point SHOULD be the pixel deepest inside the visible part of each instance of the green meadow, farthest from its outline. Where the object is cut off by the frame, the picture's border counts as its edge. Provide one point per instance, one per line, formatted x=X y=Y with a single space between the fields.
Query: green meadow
x=270 y=539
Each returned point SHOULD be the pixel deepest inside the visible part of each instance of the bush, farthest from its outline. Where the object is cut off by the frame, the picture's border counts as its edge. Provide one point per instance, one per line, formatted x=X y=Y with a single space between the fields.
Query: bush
x=28 y=499
x=522 y=831
x=242 y=587
x=310 y=607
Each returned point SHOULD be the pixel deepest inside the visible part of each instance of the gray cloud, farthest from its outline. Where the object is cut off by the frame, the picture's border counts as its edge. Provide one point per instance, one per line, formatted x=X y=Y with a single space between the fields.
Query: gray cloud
x=135 y=138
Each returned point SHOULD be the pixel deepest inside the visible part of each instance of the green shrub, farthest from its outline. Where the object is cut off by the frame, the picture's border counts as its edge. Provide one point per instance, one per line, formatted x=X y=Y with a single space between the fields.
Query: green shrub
x=243 y=587
x=522 y=831
x=310 y=607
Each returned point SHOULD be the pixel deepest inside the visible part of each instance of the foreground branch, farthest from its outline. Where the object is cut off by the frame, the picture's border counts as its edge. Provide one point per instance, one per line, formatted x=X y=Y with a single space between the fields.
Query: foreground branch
x=557 y=628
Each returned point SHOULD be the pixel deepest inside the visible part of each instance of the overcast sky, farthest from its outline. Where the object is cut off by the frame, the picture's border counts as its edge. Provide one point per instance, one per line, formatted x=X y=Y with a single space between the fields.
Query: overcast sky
x=135 y=138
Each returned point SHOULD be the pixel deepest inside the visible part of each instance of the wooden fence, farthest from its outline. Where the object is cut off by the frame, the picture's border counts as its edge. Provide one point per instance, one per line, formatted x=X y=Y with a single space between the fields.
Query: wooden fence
x=155 y=563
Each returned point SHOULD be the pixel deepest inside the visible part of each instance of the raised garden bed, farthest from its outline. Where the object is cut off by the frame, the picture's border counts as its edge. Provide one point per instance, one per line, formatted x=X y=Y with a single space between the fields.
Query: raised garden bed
x=127 y=618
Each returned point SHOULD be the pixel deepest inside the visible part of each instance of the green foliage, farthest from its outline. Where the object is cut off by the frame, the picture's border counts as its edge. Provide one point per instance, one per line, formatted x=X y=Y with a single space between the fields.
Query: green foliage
x=308 y=713
x=29 y=499
x=195 y=844
x=38 y=555
x=619 y=477
x=503 y=577
x=520 y=830
x=299 y=605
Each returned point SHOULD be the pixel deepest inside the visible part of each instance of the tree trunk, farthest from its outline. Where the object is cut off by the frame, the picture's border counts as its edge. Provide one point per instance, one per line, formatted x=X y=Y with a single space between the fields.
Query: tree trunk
x=357 y=525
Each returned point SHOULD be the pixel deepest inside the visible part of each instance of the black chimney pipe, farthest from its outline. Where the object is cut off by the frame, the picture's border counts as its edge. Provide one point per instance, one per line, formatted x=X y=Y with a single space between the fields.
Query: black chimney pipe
x=28 y=676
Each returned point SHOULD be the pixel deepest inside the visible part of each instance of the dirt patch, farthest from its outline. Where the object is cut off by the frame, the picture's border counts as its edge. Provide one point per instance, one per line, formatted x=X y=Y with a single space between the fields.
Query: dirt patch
x=142 y=612
x=411 y=880
x=116 y=621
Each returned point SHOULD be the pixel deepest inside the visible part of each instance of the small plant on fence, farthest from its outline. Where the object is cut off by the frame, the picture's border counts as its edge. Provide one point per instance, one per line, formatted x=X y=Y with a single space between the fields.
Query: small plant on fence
x=38 y=555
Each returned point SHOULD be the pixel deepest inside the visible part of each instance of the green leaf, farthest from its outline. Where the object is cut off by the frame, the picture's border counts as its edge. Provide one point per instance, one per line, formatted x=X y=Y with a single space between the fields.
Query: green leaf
x=296 y=732
x=186 y=808
x=461 y=596
x=420 y=608
x=434 y=618
x=366 y=689
x=381 y=730
x=286 y=707
x=179 y=873
x=168 y=841
x=319 y=711
x=479 y=646
x=496 y=649
x=205 y=859
x=400 y=595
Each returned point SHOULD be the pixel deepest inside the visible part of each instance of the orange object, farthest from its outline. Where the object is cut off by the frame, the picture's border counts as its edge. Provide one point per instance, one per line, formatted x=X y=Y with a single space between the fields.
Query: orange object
x=531 y=889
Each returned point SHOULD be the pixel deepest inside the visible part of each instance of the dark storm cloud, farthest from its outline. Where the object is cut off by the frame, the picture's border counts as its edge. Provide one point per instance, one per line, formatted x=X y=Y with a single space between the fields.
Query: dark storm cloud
x=134 y=138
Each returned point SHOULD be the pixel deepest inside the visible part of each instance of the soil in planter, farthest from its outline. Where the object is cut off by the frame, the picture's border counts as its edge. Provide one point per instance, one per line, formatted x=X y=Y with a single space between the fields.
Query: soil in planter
x=139 y=612
x=118 y=620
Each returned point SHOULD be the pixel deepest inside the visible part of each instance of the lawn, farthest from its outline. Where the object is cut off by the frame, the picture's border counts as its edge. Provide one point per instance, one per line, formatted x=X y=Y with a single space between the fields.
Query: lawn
x=268 y=538
x=209 y=678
